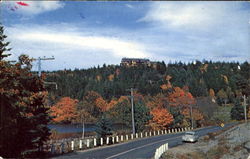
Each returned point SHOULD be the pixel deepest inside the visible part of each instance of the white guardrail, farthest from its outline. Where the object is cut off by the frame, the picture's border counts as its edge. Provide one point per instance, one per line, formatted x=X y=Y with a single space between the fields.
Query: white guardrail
x=163 y=148
x=60 y=147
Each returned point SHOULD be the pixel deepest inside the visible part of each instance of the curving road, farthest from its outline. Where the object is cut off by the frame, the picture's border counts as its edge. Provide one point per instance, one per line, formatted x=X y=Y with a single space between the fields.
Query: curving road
x=140 y=148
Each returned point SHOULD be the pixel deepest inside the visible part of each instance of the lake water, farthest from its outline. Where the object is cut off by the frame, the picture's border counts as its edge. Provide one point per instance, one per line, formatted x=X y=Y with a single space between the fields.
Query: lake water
x=71 y=128
x=76 y=128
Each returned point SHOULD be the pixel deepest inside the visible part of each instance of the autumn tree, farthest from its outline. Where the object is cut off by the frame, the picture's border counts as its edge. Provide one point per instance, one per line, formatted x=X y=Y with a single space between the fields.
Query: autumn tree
x=64 y=111
x=195 y=115
x=180 y=98
x=23 y=115
x=89 y=103
x=161 y=118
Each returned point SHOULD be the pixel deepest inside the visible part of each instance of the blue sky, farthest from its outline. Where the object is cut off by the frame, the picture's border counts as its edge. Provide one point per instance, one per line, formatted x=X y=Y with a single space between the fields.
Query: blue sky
x=87 y=34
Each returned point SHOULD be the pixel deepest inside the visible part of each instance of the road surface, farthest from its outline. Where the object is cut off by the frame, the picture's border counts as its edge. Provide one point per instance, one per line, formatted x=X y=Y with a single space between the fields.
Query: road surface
x=140 y=148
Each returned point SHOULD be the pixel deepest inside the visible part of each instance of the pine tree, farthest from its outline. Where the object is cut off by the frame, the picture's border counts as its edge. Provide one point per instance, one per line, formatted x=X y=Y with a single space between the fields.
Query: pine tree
x=237 y=112
x=23 y=120
x=103 y=127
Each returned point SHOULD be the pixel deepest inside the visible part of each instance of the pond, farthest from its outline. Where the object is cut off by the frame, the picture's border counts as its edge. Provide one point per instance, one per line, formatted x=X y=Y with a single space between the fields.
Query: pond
x=71 y=128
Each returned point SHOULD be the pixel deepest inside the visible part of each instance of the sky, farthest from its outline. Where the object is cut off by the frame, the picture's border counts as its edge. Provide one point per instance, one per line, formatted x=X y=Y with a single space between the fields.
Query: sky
x=87 y=34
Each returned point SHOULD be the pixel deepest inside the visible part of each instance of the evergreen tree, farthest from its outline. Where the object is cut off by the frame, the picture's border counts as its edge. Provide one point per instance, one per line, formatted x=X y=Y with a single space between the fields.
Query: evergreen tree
x=103 y=127
x=23 y=120
x=237 y=112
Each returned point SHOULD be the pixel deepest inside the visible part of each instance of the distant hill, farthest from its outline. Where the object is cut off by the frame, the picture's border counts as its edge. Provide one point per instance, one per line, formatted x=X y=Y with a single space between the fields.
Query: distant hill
x=113 y=81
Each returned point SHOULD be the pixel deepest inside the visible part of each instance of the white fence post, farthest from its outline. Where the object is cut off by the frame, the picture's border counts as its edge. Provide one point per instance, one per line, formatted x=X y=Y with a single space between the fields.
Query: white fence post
x=141 y=135
x=87 y=142
x=169 y=131
x=72 y=145
x=150 y=133
x=158 y=132
x=132 y=136
x=107 y=140
x=162 y=132
x=113 y=139
x=122 y=138
x=95 y=142
x=101 y=141
x=166 y=131
x=136 y=135
x=117 y=138
x=127 y=137
x=146 y=134
x=154 y=133
x=80 y=144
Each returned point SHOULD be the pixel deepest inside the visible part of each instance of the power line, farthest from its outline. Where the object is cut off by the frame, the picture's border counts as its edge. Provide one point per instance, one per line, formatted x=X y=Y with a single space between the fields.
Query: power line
x=40 y=63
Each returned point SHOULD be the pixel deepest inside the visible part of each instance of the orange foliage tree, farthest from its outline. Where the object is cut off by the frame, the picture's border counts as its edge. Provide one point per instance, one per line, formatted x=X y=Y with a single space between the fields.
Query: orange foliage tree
x=65 y=110
x=161 y=118
x=101 y=103
x=180 y=98
x=104 y=105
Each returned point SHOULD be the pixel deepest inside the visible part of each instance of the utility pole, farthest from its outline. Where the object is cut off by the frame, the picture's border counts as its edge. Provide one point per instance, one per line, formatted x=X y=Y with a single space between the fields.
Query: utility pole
x=40 y=63
x=245 y=110
x=132 y=110
x=191 y=114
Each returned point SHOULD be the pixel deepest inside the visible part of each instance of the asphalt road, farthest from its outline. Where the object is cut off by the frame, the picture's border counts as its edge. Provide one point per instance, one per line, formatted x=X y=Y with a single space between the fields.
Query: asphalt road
x=141 y=148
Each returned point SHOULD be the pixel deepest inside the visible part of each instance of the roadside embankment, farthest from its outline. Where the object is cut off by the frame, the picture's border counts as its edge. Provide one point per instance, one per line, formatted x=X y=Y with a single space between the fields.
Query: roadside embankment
x=233 y=143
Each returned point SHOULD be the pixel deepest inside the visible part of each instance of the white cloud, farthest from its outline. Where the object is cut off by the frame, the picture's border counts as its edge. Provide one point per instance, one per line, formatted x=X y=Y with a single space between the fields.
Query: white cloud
x=71 y=47
x=119 y=48
x=34 y=7
x=203 y=30
x=194 y=15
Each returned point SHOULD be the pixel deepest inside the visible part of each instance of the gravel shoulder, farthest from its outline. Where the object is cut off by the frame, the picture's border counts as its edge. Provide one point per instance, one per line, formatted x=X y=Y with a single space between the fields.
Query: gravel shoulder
x=234 y=143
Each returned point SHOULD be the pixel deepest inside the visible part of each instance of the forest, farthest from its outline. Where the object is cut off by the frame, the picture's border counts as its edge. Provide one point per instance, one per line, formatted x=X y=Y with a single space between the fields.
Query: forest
x=164 y=95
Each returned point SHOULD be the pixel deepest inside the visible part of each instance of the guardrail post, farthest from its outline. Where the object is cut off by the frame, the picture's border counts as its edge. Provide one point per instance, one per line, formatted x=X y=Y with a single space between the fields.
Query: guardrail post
x=101 y=141
x=169 y=131
x=154 y=133
x=127 y=137
x=162 y=132
x=87 y=142
x=80 y=144
x=146 y=134
x=136 y=135
x=166 y=131
x=107 y=140
x=117 y=138
x=141 y=135
x=132 y=136
x=95 y=142
x=113 y=139
x=150 y=133
x=72 y=145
